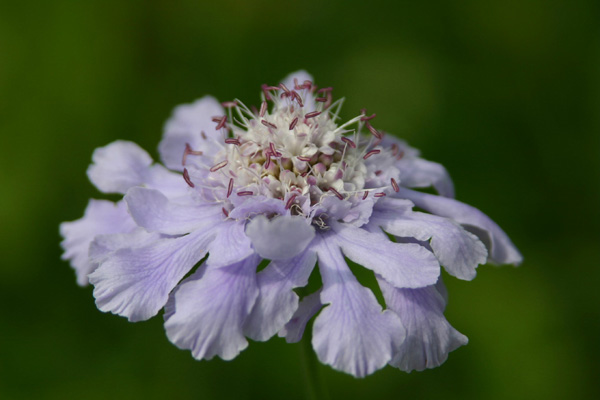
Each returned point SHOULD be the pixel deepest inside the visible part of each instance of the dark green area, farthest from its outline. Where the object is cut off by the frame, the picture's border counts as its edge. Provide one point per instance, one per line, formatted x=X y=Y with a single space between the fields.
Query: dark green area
x=505 y=94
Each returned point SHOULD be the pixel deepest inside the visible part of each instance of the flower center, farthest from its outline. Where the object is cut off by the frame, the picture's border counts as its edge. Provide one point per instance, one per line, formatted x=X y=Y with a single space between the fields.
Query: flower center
x=291 y=149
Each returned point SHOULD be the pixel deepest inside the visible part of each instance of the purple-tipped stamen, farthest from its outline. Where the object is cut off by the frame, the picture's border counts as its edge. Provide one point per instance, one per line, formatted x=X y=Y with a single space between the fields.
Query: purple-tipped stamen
x=230 y=187
x=338 y=194
x=380 y=194
x=312 y=114
x=186 y=178
x=293 y=123
x=233 y=141
x=218 y=166
x=371 y=153
x=349 y=142
x=395 y=185
x=245 y=193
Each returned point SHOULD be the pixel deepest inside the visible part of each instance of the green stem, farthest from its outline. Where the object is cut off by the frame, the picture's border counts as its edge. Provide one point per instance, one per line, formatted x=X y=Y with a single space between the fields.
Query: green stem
x=315 y=386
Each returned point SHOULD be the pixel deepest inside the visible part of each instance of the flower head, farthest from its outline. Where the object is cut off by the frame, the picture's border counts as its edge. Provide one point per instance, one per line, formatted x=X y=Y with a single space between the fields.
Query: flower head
x=290 y=183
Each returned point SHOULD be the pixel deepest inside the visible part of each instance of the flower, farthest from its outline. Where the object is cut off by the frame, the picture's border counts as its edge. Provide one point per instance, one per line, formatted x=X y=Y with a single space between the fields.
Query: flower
x=287 y=183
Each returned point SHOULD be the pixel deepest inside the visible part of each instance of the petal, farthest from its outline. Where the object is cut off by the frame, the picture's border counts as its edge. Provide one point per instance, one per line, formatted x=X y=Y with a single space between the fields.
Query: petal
x=280 y=238
x=308 y=307
x=404 y=265
x=100 y=217
x=502 y=250
x=207 y=311
x=153 y=211
x=135 y=282
x=456 y=249
x=352 y=334
x=429 y=336
x=418 y=172
x=186 y=125
x=230 y=245
x=118 y=166
x=277 y=302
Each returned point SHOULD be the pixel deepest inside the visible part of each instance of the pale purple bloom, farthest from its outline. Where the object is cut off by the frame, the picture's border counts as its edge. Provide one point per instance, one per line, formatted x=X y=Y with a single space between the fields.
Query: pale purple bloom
x=290 y=183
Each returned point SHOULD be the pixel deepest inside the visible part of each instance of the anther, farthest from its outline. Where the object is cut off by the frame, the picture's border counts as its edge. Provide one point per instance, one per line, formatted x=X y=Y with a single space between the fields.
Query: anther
x=304 y=158
x=321 y=99
x=325 y=89
x=225 y=211
x=245 y=193
x=349 y=142
x=221 y=121
x=293 y=123
x=312 y=114
x=203 y=135
x=371 y=153
x=186 y=178
x=373 y=131
x=378 y=172
x=296 y=96
x=285 y=89
x=230 y=187
x=188 y=151
x=365 y=195
x=263 y=109
x=338 y=194
x=395 y=149
x=229 y=104
x=232 y=141
x=395 y=185
x=273 y=150
x=218 y=166
x=365 y=118
x=400 y=155
x=380 y=194
x=288 y=204
x=268 y=124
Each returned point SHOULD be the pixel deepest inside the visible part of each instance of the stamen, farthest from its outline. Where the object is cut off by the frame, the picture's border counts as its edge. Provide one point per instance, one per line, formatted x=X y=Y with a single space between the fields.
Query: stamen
x=296 y=96
x=229 y=104
x=312 y=114
x=338 y=194
x=321 y=99
x=304 y=158
x=233 y=141
x=365 y=195
x=399 y=157
x=263 y=109
x=185 y=153
x=245 y=193
x=230 y=187
x=365 y=118
x=395 y=185
x=293 y=124
x=349 y=142
x=285 y=89
x=325 y=89
x=218 y=166
x=371 y=153
x=373 y=131
x=273 y=150
x=288 y=204
x=378 y=172
x=225 y=211
x=268 y=124
x=394 y=149
x=186 y=178
x=380 y=194
x=221 y=121
x=268 y=162
x=203 y=135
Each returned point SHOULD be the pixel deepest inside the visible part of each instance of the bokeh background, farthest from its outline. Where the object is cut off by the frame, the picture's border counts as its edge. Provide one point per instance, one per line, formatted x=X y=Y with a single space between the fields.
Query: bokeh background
x=505 y=94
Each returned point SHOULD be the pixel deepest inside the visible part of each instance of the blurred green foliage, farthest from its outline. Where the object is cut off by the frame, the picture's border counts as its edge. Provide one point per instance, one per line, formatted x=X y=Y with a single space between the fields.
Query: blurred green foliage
x=505 y=94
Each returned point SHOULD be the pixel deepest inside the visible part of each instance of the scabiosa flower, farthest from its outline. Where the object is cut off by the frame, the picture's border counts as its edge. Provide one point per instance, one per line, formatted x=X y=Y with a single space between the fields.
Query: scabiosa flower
x=289 y=183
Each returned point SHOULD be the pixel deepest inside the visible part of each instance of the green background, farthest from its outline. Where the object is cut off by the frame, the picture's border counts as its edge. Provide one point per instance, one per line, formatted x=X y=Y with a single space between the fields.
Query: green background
x=505 y=94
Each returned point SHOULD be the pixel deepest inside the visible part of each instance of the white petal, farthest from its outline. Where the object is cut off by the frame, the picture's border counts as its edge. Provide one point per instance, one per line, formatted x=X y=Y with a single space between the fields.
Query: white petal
x=277 y=302
x=280 y=238
x=135 y=282
x=429 y=336
x=101 y=217
x=352 y=334
x=207 y=311
x=186 y=125
x=405 y=265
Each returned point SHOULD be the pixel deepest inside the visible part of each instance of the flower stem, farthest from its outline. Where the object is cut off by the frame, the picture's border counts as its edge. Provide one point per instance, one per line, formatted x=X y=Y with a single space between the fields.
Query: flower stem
x=315 y=386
